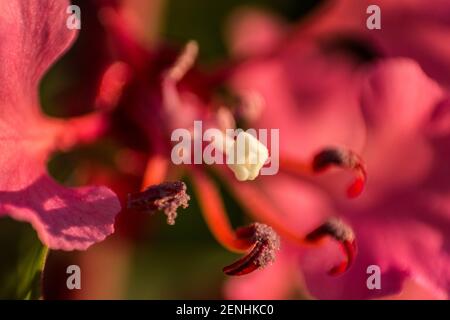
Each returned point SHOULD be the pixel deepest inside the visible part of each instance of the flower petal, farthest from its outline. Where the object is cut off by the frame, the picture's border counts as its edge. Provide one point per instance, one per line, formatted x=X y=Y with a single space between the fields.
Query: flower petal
x=397 y=114
x=64 y=218
x=390 y=103
x=409 y=28
x=34 y=34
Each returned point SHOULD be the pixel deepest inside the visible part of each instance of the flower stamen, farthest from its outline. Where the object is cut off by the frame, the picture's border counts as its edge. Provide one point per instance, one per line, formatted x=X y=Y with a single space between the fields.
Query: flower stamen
x=258 y=239
x=258 y=206
x=343 y=234
x=245 y=156
x=265 y=245
x=168 y=197
x=345 y=159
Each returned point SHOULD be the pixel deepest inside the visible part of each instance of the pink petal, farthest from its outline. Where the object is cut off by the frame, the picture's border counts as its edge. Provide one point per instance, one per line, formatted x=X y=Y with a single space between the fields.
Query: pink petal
x=34 y=34
x=413 y=291
x=397 y=113
x=64 y=218
x=409 y=28
x=393 y=104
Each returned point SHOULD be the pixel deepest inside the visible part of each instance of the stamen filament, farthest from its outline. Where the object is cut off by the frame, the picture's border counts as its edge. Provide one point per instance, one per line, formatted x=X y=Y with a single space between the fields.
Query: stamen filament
x=155 y=171
x=215 y=216
x=257 y=205
x=327 y=158
x=295 y=166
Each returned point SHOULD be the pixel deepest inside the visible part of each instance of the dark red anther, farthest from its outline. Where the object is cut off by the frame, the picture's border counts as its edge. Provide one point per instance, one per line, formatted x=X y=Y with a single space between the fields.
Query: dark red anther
x=345 y=159
x=265 y=244
x=168 y=196
x=343 y=234
x=349 y=250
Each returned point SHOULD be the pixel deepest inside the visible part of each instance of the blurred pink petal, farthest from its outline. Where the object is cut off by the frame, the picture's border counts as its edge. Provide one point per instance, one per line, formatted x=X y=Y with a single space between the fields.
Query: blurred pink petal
x=410 y=28
x=34 y=35
x=413 y=291
x=397 y=112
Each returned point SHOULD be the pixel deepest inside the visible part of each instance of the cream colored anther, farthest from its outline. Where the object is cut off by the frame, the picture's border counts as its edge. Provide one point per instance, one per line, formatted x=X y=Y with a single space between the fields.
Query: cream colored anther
x=245 y=156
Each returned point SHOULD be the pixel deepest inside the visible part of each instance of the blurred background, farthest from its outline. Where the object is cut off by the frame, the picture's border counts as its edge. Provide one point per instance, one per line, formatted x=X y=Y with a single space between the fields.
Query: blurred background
x=145 y=258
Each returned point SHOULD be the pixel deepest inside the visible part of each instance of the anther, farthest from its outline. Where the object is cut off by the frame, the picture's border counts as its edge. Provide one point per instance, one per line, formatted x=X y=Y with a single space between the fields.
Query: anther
x=265 y=245
x=345 y=159
x=343 y=234
x=245 y=156
x=168 y=197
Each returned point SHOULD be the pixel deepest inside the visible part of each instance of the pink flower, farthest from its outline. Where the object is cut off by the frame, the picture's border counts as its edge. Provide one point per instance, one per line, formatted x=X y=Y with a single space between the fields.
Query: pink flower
x=397 y=119
x=34 y=35
x=315 y=99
